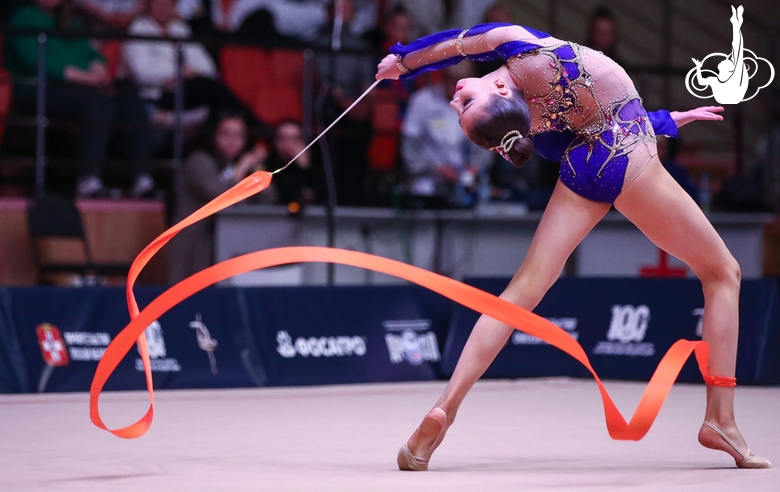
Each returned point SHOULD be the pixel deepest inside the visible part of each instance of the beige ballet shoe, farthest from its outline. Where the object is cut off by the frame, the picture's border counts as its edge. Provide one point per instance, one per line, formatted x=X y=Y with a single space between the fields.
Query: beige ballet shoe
x=409 y=462
x=749 y=460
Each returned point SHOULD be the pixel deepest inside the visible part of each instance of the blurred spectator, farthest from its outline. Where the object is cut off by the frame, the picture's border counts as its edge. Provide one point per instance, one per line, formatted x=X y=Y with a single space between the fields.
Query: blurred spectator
x=81 y=90
x=441 y=163
x=495 y=13
x=389 y=103
x=603 y=32
x=427 y=16
x=264 y=19
x=396 y=29
x=205 y=175
x=344 y=77
x=152 y=66
x=668 y=148
x=113 y=14
x=302 y=183
x=471 y=12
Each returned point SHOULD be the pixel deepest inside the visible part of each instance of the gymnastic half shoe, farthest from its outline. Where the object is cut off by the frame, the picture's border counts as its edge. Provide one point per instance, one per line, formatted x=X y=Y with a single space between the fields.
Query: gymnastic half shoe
x=435 y=422
x=749 y=460
x=409 y=462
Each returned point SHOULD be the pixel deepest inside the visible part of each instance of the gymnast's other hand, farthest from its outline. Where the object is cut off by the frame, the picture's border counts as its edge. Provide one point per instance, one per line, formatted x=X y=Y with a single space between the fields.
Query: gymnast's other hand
x=387 y=68
x=706 y=113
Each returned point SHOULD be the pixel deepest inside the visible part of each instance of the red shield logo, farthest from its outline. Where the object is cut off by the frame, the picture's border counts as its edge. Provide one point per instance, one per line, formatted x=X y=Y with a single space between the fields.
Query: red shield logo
x=53 y=348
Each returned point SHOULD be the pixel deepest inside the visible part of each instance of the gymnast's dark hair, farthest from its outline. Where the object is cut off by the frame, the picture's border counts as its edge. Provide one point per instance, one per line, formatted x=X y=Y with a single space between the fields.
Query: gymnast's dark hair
x=503 y=115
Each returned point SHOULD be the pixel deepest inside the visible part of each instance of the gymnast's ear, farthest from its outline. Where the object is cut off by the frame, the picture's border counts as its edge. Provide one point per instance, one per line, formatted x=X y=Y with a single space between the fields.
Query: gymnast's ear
x=501 y=87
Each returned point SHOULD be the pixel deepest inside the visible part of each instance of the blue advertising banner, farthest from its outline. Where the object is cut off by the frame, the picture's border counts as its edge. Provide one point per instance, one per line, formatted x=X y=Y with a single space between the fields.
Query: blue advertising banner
x=13 y=377
x=326 y=335
x=625 y=327
x=52 y=338
x=202 y=343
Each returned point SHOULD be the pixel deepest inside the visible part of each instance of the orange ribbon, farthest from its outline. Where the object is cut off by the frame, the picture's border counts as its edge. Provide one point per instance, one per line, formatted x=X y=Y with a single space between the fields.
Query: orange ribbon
x=653 y=398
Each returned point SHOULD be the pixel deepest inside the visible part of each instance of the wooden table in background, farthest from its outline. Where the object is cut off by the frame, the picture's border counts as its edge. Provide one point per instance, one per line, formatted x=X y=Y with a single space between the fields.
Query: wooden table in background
x=117 y=230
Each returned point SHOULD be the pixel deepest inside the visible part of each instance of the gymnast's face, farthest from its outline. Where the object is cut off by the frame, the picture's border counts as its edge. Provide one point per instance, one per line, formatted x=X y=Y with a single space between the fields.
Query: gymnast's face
x=472 y=94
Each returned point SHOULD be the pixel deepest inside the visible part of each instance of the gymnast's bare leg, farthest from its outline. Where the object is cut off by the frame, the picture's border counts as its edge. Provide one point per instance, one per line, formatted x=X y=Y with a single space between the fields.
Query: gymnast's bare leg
x=566 y=221
x=669 y=217
x=656 y=204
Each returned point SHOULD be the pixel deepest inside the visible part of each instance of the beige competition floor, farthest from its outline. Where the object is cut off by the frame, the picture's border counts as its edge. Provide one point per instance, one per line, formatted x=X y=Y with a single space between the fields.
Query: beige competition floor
x=546 y=434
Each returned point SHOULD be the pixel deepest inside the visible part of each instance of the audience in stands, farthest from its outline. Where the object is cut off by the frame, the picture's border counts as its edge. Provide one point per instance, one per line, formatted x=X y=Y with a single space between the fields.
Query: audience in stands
x=151 y=65
x=344 y=78
x=80 y=89
x=389 y=102
x=428 y=16
x=112 y=14
x=290 y=20
x=668 y=148
x=603 y=33
x=205 y=175
x=303 y=182
x=443 y=167
x=495 y=13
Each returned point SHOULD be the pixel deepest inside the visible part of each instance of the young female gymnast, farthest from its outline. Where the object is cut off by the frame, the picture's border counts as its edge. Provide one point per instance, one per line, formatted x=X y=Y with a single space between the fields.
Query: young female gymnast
x=579 y=107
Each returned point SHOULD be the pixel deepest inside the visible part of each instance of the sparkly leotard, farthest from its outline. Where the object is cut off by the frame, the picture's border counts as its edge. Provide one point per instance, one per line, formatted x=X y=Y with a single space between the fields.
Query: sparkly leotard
x=585 y=112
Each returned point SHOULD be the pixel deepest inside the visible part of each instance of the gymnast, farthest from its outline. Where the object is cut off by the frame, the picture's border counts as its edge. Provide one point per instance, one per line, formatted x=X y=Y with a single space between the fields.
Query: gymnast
x=577 y=106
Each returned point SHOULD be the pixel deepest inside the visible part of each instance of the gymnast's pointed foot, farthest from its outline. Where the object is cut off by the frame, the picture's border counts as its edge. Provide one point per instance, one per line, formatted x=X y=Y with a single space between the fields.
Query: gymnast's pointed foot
x=729 y=440
x=415 y=454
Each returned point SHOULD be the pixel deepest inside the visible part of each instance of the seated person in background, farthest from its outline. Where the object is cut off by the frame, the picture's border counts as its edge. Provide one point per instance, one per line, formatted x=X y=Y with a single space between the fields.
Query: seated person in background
x=205 y=175
x=345 y=78
x=79 y=89
x=442 y=165
x=302 y=183
x=668 y=148
x=396 y=28
x=290 y=20
x=112 y=14
x=152 y=66
x=495 y=13
x=603 y=33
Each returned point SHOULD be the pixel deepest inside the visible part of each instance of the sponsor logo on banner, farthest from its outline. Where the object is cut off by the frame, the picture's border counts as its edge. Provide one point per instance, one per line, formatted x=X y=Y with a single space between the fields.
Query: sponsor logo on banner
x=205 y=342
x=342 y=346
x=53 y=348
x=626 y=332
x=699 y=313
x=411 y=341
x=157 y=351
x=568 y=324
x=86 y=346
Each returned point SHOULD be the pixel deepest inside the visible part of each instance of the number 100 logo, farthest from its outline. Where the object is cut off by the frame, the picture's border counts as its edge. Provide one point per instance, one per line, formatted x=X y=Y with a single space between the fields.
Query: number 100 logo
x=629 y=323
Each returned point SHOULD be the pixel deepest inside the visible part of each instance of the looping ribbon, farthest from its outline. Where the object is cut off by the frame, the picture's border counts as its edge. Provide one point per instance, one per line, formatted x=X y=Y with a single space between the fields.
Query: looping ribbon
x=653 y=398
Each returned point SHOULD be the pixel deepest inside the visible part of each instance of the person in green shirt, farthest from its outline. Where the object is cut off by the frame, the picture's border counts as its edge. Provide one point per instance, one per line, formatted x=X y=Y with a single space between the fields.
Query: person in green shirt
x=79 y=88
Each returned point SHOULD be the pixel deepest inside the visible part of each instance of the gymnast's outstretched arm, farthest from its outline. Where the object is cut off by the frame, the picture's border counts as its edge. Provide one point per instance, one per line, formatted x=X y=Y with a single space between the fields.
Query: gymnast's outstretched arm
x=481 y=43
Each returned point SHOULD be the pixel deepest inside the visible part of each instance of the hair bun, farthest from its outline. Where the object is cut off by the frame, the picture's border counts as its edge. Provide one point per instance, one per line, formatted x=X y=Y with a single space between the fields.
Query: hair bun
x=521 y=151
